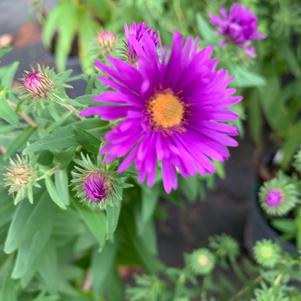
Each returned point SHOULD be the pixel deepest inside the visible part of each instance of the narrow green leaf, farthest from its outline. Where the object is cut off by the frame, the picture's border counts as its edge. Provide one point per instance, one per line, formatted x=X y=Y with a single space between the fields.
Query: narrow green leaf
x=54 y=194
x=246 y=78
x=102 y=265
x=7 y=74
x=291 y=144
x=87 y=140
x=8 y=287
x=113 y=213
x=19 y=142
x=15 y=235
x=7 y=113
x=95 y=221
x=62 y=185
x=206 y=32
x=149 y=203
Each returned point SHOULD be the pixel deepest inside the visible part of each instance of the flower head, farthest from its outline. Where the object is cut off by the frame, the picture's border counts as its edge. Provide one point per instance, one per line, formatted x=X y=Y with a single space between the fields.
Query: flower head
x=267 y=253
x=239 y=27
x=20 y=178
x=134 y=33
x=37 y=83
x=107 y=41
x=224 y=246
x=172 y=109
x=97 y=186
x=201 y=261
x=278 y=196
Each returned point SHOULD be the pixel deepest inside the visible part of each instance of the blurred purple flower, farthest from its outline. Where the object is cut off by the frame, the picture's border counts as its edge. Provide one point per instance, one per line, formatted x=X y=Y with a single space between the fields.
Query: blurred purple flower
x=135 y=33
x=274 y=198
x=239 y=27
x=172 y=109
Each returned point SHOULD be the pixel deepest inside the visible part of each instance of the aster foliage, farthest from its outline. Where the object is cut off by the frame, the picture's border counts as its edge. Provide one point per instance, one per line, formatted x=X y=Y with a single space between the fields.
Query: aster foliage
x=297 y=161
x=97 y=185
x=279 y=195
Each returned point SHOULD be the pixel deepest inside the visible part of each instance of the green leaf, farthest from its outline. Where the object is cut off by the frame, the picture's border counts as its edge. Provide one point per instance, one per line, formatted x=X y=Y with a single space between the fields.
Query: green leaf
x=87 y=140
x=7 y=75
x=149 y=202
x=49 y=269
x=291 y=144
x=245 y=78
x=27 y=219
x=67 y=27
x=54 y=194
x=102 y=265
x=95 y=221
x=8 y=287
x=62 y=185
x=64 y=137
x=7 y=113
x=30 y=250
x=15 y=232
x=50 y=26
x=206 y=32
x=19 y=142
x=113 y=213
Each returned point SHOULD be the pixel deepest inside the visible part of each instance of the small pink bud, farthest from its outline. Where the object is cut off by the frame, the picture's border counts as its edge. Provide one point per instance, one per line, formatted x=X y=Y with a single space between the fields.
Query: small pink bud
x=106 y=40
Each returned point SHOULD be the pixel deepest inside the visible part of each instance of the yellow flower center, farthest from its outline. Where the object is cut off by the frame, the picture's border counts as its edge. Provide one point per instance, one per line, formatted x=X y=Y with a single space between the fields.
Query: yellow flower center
x=203 y=260
x=167 y=110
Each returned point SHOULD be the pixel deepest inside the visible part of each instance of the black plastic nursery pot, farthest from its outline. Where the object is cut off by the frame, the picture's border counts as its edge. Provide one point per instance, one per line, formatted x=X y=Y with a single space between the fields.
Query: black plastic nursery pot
x=257 y=224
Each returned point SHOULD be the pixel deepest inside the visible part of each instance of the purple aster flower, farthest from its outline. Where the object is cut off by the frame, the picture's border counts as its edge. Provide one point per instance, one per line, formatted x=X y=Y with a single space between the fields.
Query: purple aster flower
x=37 y=83
x=274 y=198
x=135 y=33
x=240 y=27
x=172 y=110
x=95 y=187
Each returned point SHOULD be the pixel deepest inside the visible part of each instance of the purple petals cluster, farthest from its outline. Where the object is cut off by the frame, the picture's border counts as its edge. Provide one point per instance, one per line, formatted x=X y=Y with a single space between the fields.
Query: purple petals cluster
x=135 y=32
x=95 y=187
x=274 y=198
x=171 y=108
x=239 y=27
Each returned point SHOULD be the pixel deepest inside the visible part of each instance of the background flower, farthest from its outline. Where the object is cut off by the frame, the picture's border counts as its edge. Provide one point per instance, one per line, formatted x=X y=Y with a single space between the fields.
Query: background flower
x=239 y=27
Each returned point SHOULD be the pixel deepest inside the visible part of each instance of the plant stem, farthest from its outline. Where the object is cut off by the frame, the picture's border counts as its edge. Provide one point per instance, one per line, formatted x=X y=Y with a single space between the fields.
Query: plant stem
x=245 y=290
x=23 y=115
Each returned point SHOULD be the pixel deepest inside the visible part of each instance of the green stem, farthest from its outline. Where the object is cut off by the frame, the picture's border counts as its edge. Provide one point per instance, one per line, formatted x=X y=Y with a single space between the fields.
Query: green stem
x=245 y=290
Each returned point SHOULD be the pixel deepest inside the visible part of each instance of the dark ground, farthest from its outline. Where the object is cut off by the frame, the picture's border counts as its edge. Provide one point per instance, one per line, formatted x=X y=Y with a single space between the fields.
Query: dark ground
x=226 y=206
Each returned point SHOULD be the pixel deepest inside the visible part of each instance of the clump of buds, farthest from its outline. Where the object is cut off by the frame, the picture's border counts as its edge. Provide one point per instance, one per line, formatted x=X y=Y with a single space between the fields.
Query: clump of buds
x=37 y=83
x=107 y=41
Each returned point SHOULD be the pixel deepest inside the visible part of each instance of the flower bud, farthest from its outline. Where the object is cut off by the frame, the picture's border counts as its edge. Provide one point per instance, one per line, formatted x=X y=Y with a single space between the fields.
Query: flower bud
x=201 y=261
x=37 y=84
x=267 y=253
x=278 y=196
x=107 y=41
x=96 y=187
